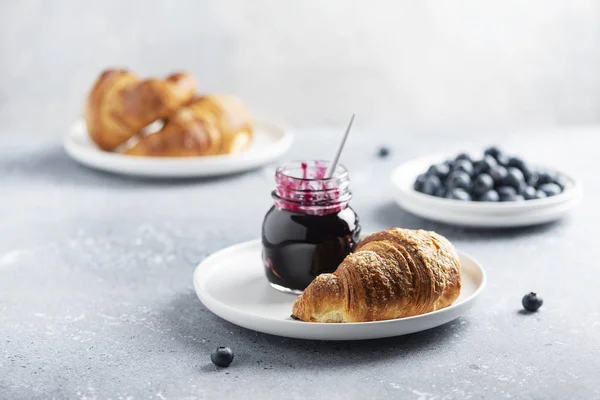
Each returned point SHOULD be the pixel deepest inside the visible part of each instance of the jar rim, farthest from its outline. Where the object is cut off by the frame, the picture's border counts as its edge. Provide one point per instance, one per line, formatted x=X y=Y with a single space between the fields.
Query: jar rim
x=342 y=175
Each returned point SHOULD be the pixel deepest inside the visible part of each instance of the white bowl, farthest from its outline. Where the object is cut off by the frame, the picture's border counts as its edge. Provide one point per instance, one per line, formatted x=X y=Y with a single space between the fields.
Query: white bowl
x=482 y=214
x=270 y=142
x=232 y=284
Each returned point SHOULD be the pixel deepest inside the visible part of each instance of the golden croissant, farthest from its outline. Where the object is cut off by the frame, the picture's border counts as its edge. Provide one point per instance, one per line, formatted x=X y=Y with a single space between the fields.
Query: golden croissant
x=392 y=274
x=209 y=125
x=120 y=104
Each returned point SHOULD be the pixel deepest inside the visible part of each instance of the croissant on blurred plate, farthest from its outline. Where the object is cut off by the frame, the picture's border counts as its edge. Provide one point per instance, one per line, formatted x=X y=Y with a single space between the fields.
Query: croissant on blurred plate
x=120 y=105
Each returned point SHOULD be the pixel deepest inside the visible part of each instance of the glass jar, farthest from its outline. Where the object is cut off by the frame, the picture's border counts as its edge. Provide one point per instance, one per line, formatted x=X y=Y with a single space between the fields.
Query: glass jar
x=310 y=229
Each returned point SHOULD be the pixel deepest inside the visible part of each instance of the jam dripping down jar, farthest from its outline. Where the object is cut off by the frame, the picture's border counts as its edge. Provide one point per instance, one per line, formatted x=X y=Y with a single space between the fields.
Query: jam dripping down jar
x=311 y=228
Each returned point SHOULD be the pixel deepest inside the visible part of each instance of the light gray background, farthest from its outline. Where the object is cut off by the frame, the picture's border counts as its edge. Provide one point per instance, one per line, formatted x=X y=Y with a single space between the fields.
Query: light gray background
x=421 y=65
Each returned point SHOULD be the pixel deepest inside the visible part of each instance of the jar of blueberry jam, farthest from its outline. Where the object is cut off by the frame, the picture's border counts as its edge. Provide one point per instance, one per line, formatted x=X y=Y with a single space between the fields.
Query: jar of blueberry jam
x=310 y=228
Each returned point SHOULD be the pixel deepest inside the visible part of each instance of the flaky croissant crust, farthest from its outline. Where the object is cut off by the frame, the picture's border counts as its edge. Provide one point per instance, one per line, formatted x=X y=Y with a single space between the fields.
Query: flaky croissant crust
x=392 y=274
x=120 y=104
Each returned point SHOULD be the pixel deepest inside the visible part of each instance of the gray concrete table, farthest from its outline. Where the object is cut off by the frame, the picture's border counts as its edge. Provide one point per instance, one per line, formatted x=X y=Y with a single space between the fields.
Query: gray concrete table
x=96 y=297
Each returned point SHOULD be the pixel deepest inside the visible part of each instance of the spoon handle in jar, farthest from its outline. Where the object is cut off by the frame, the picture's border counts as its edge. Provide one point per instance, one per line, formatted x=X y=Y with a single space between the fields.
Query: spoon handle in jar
x=338 y=151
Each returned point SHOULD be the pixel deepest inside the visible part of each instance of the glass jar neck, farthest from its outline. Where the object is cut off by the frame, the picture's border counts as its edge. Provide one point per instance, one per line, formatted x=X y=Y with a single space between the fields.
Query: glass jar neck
x=301 y=187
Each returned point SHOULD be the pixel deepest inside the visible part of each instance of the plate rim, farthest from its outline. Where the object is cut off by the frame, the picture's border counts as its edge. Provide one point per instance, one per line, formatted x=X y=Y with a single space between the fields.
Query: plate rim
x=210 y=302
x=164 y=166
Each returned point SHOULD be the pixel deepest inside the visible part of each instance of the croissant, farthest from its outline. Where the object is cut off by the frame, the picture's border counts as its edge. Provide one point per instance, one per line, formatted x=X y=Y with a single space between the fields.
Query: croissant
x=392 y=274
x=209 y=125
x=120 y=104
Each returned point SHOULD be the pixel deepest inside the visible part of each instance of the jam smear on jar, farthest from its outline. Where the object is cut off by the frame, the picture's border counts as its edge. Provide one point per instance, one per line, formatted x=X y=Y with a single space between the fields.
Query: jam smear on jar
x=310 y=229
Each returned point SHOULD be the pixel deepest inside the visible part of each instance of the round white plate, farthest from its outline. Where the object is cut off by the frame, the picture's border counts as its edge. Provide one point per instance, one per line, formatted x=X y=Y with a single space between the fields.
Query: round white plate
x=232 y=284
x=269 y=143
x=493 y=215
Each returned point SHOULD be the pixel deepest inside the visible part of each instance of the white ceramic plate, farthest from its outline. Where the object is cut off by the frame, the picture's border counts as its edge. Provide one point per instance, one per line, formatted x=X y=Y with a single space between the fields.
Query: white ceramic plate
x=504 y=214
x=270 y=142
x=232 y=284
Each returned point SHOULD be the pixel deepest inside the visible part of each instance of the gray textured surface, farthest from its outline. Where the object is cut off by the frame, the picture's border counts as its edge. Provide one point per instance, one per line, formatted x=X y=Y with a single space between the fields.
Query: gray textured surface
x=421 y=65
x=96 y=296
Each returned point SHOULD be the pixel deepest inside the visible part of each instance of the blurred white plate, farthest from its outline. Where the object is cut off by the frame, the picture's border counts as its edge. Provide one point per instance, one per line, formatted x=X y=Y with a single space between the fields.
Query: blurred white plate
x=269 y=143
x=232 y=284
x=480 y=214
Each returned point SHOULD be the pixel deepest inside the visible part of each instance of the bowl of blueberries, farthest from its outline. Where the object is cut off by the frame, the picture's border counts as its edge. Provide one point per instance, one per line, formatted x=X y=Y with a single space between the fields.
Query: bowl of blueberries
x=491 y=189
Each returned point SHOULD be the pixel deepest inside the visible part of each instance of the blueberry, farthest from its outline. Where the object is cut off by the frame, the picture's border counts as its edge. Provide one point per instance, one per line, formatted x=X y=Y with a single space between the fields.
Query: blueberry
x=383 y=152
x=492 y=151
x=531 y=302
x=498 y=174
x=539 y=194
x=515 y=197
x=502 y=159
x=529 y=192
x=463 y=165
x=489 y=163
x=506 y=191
x=539 y=178
x=458 y=179
x=526 y=171
x=463 y=156
x=562 y=181
x=490 y=196
x=478 y=168
x=514 y=178
x=518 y=163
x=439 y=170
x=431 y=184
x=515 y=162
x=482 y=184
x=458 y=194
x=551 y=189
x=418 y=185
x=440 y=191
x=222 y=357
x=509 y=193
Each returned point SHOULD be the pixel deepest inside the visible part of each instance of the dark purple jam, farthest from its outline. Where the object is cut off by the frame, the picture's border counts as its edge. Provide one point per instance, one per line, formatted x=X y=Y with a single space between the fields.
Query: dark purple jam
x=311 y=228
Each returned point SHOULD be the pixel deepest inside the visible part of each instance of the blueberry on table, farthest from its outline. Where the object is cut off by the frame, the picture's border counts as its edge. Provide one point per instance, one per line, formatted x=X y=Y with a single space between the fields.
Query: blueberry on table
x=531 y=302
x=551 y=189
x=458 y=179
x=490 y=196
x=529 y=193
x=222 y=357
x=482 y=184
x=489 y=162
x=431 y=185
x=383 y=152
x=458 y=194
x=463 y=165
x=492 y=151
x=514 y=177
x=498 y=174
x=463 y=156
x=418 y=185
x=439 y=170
